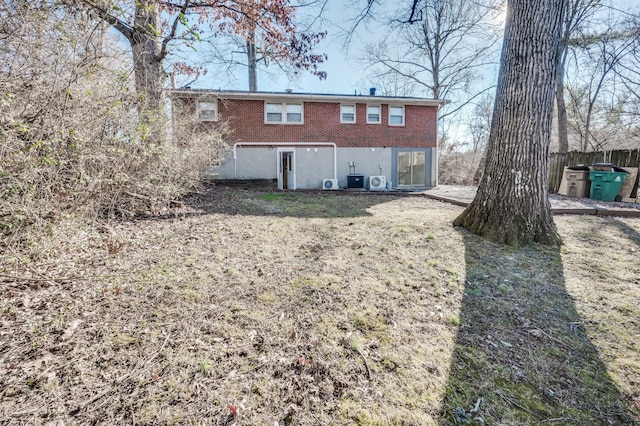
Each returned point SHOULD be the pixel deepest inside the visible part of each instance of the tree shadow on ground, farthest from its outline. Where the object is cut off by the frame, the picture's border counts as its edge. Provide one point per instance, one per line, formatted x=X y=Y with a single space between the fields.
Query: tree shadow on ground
x=632 y=234
x=298 y=204
x=522 y=355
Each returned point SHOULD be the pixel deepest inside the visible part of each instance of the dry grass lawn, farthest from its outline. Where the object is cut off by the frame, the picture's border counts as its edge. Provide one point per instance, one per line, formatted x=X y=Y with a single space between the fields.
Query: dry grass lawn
x=257 y=308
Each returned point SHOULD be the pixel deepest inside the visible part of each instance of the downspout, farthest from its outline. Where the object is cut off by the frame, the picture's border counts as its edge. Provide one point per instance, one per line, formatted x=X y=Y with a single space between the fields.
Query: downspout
x=331 y=144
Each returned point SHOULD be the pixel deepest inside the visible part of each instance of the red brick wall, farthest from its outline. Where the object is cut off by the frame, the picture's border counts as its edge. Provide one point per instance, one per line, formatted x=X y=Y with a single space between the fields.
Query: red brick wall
x=322 y=124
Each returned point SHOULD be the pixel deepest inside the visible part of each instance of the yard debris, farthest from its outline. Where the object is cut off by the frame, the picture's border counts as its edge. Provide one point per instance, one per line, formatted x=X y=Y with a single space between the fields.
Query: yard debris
x=535 y=333
x=185 y=341
x=506 y=344
x=477 y=406
x=71 y=328
x=234 y=410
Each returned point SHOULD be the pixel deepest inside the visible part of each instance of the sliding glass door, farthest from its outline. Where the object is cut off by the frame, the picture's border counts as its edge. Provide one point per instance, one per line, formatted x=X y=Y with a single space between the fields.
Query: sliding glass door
x=411 y=168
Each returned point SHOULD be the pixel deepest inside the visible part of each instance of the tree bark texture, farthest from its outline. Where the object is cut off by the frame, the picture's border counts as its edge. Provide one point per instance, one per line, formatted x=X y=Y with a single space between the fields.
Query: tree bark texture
x=512 y=203
x=146 y=46
x=561 y=108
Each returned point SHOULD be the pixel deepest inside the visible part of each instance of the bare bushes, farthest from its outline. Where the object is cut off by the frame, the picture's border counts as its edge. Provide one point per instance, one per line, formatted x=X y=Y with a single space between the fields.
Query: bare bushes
x=458 y=167
x=70 y=141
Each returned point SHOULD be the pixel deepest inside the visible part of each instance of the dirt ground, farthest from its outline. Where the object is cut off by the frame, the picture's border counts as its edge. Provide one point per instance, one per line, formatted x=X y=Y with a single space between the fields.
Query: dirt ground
x=258 y=308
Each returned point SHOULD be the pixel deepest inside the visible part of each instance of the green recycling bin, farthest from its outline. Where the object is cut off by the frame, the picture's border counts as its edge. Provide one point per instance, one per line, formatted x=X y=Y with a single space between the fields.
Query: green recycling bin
x=605 y=186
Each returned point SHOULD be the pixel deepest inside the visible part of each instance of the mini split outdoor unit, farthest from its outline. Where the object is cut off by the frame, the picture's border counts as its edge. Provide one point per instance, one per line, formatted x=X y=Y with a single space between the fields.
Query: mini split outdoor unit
x=330 y=184
x=377 y=183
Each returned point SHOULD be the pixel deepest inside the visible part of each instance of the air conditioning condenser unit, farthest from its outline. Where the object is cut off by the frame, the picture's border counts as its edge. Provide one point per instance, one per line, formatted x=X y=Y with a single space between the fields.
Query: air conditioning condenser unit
x=377 y=183
x=330 y=184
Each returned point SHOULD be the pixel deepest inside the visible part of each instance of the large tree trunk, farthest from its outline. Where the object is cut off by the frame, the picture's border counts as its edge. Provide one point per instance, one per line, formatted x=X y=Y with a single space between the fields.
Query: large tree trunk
x=148 y=69
x=561 y=111
x=512 y=203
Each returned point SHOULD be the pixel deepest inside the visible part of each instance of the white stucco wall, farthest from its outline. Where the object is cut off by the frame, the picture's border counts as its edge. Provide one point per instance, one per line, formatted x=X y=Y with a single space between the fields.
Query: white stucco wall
x=312 y=164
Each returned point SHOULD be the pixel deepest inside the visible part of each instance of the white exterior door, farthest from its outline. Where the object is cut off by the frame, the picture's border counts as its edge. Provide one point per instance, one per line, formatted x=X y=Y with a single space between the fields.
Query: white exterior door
x=286 y=169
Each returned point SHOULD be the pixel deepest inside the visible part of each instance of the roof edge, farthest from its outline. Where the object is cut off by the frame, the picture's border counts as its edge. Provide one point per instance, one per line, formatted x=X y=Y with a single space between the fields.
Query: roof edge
x=308 y=97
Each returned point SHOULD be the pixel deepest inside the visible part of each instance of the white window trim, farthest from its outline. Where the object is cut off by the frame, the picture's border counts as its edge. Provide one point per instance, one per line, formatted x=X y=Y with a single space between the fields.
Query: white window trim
x=379 y=114
x=404 y=118
x=284 y=112
x=354 y=114
x=215 y=109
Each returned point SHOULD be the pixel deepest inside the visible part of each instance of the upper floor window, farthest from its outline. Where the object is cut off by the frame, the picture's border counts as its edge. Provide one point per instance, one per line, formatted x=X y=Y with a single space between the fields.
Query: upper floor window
x=283 y=112
x=396 y=115
x=208 y=110
x=373 y=114
x=294 y=113
x=347 y=113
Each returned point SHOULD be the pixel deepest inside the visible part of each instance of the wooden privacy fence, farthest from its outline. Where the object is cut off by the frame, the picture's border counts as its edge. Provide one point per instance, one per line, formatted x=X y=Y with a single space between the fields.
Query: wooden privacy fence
x=558 y=161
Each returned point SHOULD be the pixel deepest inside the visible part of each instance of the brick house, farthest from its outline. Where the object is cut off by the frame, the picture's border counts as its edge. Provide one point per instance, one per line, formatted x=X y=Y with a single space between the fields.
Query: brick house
x=314 y=141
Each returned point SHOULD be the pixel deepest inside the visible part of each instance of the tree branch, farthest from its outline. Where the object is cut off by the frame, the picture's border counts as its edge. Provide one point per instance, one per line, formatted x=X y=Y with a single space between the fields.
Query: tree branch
x=112 y=20
x=172 y=34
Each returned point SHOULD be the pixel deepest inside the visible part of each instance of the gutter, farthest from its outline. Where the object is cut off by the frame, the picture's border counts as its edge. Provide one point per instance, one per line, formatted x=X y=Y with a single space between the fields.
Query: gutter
x=310 y=97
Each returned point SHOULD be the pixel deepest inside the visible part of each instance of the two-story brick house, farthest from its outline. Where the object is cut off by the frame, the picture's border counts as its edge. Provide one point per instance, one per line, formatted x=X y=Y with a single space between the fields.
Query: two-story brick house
x=314 y=141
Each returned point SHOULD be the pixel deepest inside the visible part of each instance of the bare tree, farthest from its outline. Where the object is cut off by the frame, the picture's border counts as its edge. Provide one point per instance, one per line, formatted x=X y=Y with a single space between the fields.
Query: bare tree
x=256 y=52
x=600 y=61
x=479 y=129
x=578 y=13
x=387 y=81
x=441 y=47
x=256 y=55
x=70 y=139
x=629 y=74
x=153 y=28
x=481 y=123
x=512 y=204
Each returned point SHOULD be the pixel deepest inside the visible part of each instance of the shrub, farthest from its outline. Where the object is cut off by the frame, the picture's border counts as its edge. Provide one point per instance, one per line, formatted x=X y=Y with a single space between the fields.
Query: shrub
x=70 y=141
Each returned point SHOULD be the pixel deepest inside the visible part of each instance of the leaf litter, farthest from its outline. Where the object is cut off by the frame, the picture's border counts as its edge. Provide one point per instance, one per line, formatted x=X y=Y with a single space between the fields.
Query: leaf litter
x=247 y=307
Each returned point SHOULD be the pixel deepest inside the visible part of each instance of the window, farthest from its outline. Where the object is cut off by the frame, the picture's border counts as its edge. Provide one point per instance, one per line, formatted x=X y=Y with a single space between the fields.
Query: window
x=373 y=114
x=208 y=110
x=411 y=168
x=347 y=113
x=283 y=113
x=274 y=113
x=396 y=116
x=294 y=113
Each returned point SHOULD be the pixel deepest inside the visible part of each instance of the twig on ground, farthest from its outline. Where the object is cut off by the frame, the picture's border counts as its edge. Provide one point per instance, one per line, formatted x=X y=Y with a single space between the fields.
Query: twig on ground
x=366 y=365
x=26 y=412
x=43 y=278
x=138 y=196
x=256 y=368
x=557 y=419
x=566 y=345
x=515 y=403
x=117 y=381
x=477 y=407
